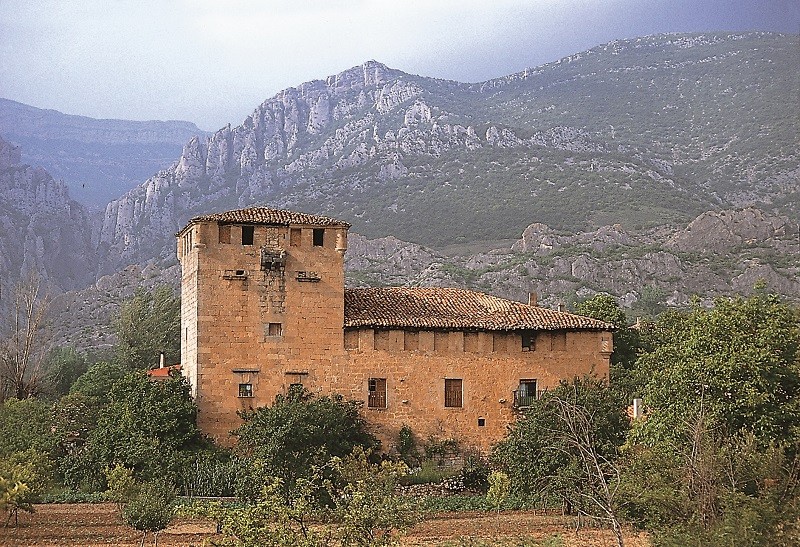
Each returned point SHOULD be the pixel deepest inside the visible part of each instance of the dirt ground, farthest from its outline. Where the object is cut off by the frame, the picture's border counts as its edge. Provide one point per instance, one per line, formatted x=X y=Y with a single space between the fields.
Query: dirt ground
x=96 y=525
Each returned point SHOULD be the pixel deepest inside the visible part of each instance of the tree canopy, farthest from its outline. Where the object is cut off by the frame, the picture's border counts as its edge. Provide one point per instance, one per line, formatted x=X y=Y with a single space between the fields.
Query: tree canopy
x=148 y=324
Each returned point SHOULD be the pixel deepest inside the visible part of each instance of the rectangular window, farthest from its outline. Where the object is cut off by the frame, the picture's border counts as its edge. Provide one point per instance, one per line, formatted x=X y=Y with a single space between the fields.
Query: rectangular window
x=225 y=233
x=377 y=393
x=528 y=340
x=319 y=237
x=452 y=393
x=526 y=393
x=274 y=329
x=295 y=237
x=248 y=233
x=245 y=390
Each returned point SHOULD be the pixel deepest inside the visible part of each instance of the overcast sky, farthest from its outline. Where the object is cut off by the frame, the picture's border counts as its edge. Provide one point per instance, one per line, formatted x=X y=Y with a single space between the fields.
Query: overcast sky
x=213 y=61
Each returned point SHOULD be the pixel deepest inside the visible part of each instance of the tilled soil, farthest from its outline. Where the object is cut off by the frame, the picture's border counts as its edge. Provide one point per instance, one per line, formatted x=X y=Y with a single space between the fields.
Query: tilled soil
x=95 y=525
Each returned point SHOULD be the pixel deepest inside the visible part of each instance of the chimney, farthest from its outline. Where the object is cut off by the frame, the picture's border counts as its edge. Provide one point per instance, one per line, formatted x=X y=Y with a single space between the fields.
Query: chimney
x=161 y=361
x=533 y=299
x=561 y=307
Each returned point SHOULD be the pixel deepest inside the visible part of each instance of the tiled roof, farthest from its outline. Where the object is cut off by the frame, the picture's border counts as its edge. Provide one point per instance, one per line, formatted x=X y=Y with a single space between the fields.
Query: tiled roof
x=271 y=217
x=163 y=372
x=446 y=308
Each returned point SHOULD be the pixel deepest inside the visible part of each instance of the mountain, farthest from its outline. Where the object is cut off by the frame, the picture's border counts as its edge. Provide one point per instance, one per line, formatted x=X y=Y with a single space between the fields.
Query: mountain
x=41 y=228
x=642 y=132
x=99 y=160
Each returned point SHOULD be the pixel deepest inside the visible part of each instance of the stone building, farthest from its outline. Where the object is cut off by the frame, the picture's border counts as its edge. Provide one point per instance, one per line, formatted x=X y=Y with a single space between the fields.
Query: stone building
x=264 y=307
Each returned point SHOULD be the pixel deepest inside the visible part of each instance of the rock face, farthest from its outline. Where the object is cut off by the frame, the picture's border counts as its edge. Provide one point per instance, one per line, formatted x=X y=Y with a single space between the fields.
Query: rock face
x=98 y=159
x=441 y=162
x=41 y=228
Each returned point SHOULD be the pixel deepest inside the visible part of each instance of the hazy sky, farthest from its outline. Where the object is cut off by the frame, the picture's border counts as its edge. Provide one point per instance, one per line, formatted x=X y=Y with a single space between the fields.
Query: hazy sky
x=213 y=61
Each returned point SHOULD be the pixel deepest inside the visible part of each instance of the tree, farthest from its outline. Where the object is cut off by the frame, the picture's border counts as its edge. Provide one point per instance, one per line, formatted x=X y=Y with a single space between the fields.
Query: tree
x=739 y=361
x=148 y=324
x=566 y=446
x=150 y=508
x=146 y=426
x=499 y=488
x=25 y=341
x=300 y=431
x=25 y=424
x=63 y=366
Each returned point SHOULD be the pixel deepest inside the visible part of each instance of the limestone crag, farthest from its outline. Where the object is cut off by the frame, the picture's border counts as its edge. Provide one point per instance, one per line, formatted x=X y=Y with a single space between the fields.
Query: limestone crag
x=41 y=228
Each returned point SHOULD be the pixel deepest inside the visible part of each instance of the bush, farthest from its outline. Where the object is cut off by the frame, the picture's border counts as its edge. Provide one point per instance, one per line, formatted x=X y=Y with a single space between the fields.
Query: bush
x=150 y=509
x=475 y=473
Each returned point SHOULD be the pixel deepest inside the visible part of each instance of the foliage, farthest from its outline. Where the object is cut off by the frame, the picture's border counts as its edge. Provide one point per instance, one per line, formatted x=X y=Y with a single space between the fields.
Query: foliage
x=148 y=325
x=97 y=381
x=14 y=497
x=121 y=485
x=63 y=367
x=30 y=467
x=150 y=509
x=566 y=446
x=407 y=446
x=474 y=473
x=25 y=424
x=499 y=488
x=300 y=431
x=147 y=426
x=737 y=361
x=214 y=472
x=24 y=340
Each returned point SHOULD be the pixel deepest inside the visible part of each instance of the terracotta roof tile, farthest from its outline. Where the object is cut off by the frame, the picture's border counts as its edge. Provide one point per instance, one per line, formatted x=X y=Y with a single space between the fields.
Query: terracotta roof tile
x=447 y=308
x=272 y=217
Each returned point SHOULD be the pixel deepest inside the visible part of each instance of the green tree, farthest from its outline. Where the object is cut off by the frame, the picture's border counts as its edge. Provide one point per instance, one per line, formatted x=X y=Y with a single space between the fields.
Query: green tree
x=148 y=324
x=738 y=362
x=300 y=431
x=499 y=488
x=97 y=381
x=150 y=508
x=25 y=424
x=567 y=447
x=63 y=367
x=147 y=426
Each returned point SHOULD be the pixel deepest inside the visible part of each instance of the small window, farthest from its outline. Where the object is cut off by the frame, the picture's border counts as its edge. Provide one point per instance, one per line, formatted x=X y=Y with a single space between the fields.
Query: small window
x=247 y=234
x=245 y=390
x=377 y=393
x=452 y=393
x=528 y=340
x=295 y=237
x=274 y=329
x=319 y=237
x=526 y=393
x=481 y=422
x=225 y=233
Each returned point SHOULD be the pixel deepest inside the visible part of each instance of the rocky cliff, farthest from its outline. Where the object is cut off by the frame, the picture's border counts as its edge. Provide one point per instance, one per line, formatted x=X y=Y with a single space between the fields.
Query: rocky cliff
x=99 y=160
x=642 y=132
x=41 y=228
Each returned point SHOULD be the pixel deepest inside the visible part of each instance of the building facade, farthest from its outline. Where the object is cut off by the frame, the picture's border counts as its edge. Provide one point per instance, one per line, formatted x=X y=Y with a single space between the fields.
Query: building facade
x=264 y=307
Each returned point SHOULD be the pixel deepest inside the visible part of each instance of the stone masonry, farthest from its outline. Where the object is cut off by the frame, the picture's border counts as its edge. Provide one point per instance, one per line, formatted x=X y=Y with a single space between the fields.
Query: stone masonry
x=264 y=307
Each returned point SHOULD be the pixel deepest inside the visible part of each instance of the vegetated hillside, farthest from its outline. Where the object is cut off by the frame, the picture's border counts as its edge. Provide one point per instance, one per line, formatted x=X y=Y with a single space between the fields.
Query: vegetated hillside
x=99 y=160
x=640 y=132
x=41 y=228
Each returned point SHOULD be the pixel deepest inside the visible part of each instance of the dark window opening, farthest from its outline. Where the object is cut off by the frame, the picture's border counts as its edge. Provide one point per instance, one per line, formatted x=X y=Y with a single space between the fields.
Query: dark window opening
x=245 y=390
x=319 y=237
x=526 y=393
x=528 y=340
x=481 y=422
x=275 y=329
x=247 y=234
x=377 y=393
x=452 y=393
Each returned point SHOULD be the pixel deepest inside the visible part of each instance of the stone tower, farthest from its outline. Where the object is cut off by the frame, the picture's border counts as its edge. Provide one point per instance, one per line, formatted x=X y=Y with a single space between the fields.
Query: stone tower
x=262 y=308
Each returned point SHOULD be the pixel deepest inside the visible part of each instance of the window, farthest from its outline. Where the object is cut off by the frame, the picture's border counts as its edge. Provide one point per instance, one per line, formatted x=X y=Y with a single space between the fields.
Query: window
x=247 y=234
x=525 y=394
x=245 y=390
x=377 y=393
x=225 y=233
x=528 y=340
x=295 y=237
x=274 y=329
x=319 y=237
x=452 y=393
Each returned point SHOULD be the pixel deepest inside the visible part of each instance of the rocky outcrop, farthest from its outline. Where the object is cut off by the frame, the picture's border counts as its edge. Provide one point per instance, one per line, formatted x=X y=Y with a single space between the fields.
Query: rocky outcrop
x=730 y=230
x=41 y=228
